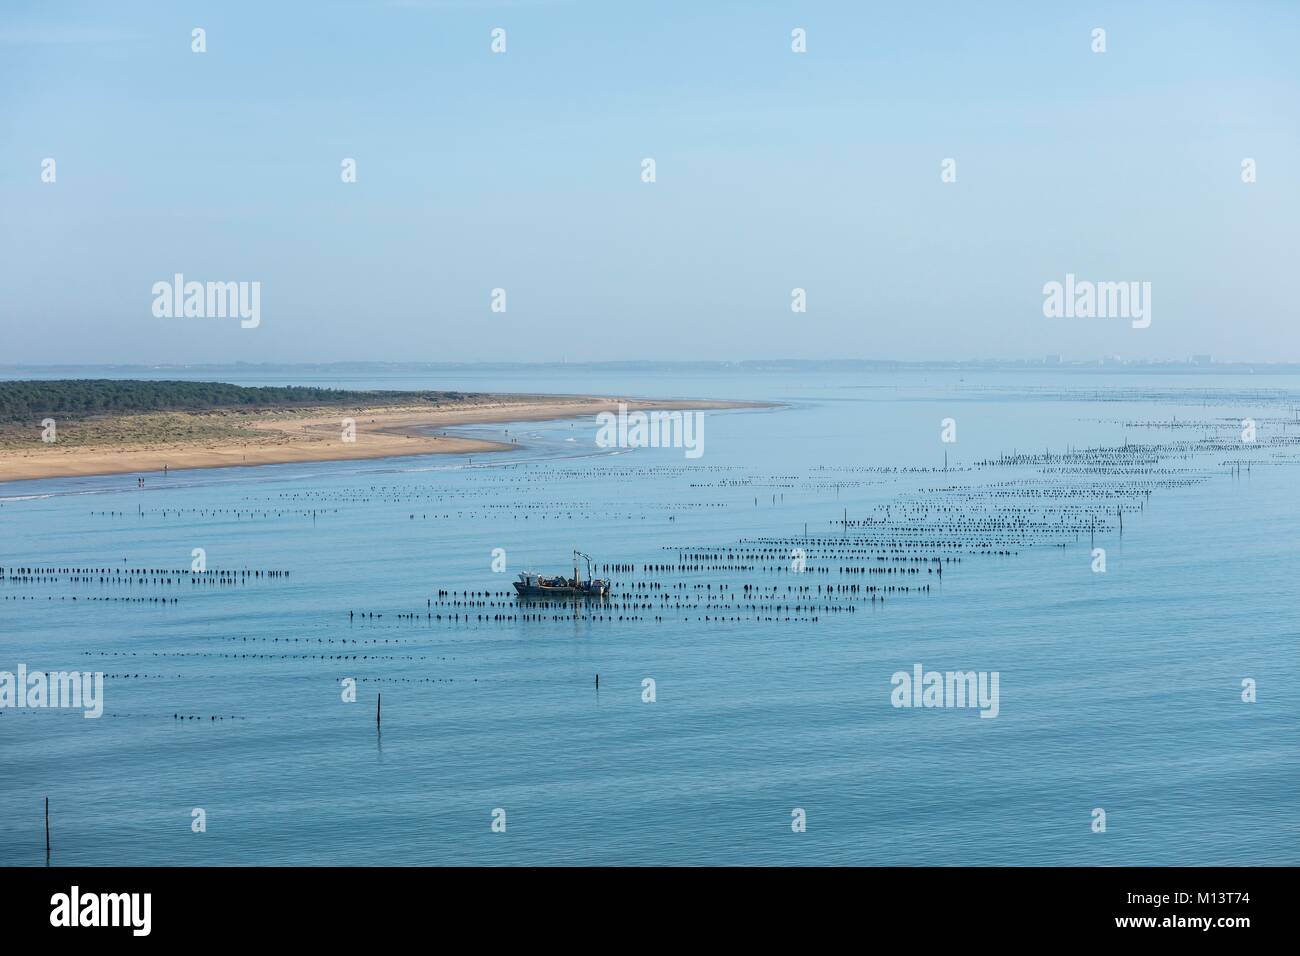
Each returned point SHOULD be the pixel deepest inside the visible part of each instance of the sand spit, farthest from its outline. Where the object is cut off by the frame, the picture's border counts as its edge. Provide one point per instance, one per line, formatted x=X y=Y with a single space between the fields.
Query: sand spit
x=118 y=444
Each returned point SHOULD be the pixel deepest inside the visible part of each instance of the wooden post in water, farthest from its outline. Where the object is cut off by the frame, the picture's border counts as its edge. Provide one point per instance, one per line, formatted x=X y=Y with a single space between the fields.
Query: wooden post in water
x=47 y=829
x=379 y=702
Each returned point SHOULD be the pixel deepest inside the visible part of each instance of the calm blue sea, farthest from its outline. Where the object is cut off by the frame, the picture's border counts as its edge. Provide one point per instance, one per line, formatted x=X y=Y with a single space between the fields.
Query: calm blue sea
x=1119 y=691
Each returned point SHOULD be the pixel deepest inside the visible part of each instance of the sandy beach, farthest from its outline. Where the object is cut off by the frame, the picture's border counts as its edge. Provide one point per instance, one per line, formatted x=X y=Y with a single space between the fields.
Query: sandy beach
x=279 y=437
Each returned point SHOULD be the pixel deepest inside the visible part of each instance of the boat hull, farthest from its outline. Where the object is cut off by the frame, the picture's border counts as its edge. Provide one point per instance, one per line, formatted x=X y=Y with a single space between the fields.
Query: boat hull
x=534 y=591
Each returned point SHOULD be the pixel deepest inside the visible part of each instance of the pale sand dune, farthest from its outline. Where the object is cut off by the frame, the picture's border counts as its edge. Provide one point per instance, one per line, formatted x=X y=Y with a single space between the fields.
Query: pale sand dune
x=316 y=435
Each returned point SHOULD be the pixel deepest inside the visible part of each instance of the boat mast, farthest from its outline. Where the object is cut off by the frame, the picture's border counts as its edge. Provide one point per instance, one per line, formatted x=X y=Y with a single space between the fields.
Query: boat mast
x=576 y=555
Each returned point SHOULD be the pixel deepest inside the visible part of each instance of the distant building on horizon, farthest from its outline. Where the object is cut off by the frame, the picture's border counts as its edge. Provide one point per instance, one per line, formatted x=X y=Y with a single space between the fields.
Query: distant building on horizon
x=1052 y=360
x=1202 y=360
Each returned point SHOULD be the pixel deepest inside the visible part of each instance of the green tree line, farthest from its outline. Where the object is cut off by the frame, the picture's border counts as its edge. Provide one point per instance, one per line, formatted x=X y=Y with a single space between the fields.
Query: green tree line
x=26 y=400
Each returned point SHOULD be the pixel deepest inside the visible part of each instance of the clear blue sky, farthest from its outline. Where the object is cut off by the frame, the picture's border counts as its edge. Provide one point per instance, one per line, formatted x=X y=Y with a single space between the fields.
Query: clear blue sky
x=522 y=171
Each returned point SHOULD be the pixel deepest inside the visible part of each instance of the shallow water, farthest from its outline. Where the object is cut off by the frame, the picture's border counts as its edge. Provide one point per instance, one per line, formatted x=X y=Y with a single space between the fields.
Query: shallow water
x=1119 y=690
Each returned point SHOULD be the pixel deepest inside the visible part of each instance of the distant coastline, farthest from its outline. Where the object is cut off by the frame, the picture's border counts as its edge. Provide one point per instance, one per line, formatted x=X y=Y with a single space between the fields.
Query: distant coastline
x=257 y=430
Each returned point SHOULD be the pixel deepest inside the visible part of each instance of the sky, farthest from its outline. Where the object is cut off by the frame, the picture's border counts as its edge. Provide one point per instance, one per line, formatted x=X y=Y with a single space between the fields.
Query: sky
x=523 y=171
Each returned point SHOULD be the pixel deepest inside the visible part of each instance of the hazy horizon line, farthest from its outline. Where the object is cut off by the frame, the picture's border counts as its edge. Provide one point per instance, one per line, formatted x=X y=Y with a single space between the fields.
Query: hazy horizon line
x=1112 y=363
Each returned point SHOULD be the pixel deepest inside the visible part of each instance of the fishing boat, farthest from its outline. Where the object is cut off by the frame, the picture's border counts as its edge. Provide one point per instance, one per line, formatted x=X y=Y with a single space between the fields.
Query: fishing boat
x=534 y=585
